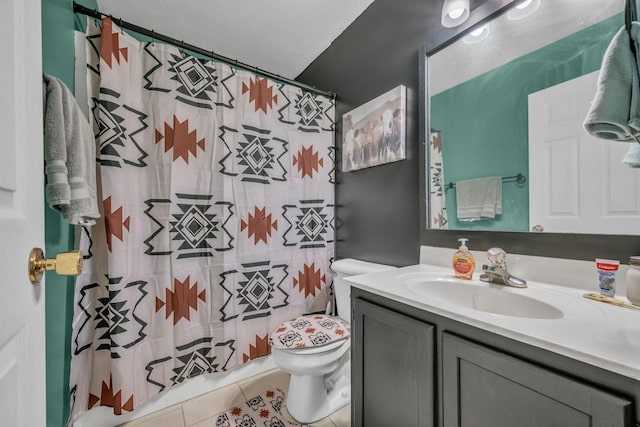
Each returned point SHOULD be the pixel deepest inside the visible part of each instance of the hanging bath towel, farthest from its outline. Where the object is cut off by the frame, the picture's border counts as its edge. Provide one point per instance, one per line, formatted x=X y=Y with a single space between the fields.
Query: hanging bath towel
x=609 y=115
x=70 y=155
x=632 y=157
x=479 y=198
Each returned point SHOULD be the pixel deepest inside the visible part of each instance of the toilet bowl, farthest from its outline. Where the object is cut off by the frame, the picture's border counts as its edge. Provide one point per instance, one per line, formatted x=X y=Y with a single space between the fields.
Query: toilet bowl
x=315 y=350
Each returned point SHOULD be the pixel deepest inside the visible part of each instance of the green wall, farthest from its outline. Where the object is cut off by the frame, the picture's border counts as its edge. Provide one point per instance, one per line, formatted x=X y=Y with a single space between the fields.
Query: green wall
x=58 y=59
x=484 y=121
x=58 y=25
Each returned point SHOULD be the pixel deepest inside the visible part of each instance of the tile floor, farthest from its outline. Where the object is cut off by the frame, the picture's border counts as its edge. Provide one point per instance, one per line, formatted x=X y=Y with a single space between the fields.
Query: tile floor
x=201 y=411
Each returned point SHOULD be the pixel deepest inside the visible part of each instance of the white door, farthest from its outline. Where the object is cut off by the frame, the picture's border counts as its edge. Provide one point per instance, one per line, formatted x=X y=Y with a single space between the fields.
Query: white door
x=577 y=182
x=22 y=343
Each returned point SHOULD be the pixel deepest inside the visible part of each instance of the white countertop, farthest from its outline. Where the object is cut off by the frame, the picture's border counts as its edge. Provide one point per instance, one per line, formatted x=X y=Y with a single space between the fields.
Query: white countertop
x=593 y=332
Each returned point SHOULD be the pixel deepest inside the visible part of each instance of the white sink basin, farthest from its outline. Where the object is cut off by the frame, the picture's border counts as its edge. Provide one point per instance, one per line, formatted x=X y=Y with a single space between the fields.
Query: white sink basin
x=547 y=314
x=483 y=297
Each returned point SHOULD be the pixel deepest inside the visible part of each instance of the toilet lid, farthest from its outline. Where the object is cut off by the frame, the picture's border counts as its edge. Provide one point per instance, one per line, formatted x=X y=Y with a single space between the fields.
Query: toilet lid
x=309 y=331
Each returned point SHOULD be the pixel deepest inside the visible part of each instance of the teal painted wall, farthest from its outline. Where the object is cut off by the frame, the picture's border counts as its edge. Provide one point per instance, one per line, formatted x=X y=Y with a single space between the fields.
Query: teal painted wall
x=58 y=25
x=484 y=121
x=58 y=59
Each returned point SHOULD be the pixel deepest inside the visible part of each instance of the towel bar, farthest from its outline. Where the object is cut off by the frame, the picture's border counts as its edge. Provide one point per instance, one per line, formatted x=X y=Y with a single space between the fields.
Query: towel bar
x=519 y=178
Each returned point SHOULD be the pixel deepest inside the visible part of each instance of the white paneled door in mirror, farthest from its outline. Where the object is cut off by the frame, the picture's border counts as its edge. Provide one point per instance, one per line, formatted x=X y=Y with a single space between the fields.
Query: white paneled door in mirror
x=22 y=341
x=578 y=183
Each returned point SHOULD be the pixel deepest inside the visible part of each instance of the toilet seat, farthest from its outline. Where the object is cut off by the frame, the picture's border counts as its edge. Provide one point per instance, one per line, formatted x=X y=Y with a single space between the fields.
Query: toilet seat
x=306 y=332
x=314 y=350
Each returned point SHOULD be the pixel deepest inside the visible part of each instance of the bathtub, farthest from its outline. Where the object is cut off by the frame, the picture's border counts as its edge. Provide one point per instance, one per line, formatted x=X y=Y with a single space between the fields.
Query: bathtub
x=104 y=417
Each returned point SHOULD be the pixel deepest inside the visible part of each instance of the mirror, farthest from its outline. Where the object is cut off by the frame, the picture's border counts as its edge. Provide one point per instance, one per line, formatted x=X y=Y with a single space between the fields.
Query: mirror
x=493 y=98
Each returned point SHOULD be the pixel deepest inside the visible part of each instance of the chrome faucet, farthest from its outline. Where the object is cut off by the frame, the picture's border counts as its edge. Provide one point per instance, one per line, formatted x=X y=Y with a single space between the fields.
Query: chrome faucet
x=497 y=271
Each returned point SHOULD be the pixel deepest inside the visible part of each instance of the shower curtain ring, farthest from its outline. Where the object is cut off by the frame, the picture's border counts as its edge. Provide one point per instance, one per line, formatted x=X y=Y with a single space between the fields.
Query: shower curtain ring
x=182 y=46
x=153 y=38
x=120 y=25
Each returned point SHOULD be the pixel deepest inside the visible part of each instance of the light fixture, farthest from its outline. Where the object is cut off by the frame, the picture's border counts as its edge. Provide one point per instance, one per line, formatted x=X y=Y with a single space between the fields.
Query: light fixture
x=477 y=35
x=454 y=12
x=523 y=4
x=523 y=9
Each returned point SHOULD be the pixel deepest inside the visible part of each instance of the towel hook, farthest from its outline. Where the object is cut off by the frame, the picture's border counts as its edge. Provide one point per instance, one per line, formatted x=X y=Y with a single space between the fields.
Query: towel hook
x=521 y=179
x=630 y=13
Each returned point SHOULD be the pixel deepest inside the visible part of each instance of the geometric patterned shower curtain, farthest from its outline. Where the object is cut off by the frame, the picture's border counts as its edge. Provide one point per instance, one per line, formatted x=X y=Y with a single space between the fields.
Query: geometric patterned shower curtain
x=437 y=202
x=217 y=191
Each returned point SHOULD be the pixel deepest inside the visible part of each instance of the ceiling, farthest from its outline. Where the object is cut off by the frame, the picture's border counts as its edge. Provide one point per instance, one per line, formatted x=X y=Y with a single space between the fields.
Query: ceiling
x=279 y=36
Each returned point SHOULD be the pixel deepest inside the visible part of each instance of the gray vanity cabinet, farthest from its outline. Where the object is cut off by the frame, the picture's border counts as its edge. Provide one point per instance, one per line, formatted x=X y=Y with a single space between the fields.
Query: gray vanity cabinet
x=485 y=388
x=392 y=369
x=411 y=368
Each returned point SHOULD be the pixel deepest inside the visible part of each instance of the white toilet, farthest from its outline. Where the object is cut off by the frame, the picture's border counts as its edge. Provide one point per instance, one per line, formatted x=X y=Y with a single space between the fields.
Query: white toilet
x=314 y=349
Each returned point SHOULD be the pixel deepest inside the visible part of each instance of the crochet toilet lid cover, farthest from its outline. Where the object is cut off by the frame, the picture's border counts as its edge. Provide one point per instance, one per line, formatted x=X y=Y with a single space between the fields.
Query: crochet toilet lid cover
x=309 y=331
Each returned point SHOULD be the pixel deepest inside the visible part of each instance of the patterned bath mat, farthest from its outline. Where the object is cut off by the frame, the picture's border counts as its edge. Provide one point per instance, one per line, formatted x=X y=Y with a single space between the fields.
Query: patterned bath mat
x=263 y=410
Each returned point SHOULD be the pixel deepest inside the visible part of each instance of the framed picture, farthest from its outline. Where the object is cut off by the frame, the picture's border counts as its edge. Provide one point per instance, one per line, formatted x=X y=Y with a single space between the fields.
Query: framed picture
x=374 y=133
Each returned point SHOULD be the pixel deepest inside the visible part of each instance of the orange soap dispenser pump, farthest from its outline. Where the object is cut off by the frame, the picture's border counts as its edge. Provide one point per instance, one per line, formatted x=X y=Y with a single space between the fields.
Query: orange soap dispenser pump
x=463 y=261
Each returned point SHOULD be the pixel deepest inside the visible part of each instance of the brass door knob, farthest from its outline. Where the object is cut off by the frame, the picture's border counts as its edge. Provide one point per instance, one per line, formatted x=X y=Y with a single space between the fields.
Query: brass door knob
x=68 y=263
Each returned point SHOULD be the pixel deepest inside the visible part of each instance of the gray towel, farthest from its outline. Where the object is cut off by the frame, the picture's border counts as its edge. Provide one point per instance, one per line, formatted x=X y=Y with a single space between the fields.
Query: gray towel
x=634 y=108
x=632 y=157
x=69 y=154
x=609 y=116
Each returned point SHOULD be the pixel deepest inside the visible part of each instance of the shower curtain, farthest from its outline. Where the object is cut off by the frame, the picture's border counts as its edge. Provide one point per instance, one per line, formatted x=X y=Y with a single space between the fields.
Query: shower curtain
x=437 y=200
x=217 y=191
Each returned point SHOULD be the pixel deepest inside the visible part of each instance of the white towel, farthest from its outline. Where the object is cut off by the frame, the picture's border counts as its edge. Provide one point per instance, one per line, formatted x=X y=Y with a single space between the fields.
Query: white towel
x=478 y=199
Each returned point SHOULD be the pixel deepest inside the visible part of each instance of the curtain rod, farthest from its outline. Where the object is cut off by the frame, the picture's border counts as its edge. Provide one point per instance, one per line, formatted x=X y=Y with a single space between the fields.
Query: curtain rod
x=78 y=8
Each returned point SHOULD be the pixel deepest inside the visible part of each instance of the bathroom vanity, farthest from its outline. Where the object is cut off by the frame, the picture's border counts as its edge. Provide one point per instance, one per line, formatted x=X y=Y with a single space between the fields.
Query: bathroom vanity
x=428 y=350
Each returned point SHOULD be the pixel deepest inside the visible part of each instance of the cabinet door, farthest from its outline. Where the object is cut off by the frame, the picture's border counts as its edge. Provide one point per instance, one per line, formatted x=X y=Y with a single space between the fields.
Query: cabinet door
x=392 y=368
x=486 y=388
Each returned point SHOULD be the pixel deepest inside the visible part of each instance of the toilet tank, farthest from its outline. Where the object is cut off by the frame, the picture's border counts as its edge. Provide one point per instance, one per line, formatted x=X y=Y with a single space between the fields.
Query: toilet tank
x=342 y=289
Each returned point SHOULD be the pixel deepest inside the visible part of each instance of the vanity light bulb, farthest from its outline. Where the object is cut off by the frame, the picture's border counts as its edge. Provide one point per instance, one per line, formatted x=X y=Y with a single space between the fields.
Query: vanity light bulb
x=523 y=9
x=523 y=4
x=477 y=35
x=456 y=13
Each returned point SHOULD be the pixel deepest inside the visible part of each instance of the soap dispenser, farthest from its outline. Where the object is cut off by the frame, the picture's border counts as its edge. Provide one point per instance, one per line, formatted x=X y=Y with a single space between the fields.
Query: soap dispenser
x=463 y=261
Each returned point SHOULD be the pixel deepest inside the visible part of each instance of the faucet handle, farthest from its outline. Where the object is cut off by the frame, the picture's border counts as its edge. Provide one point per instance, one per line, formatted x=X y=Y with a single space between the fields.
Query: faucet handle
x=497 y=257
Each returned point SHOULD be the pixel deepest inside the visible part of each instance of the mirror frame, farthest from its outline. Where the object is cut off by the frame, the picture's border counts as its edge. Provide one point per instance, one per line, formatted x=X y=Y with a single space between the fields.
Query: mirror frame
x=556 y=245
